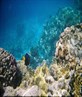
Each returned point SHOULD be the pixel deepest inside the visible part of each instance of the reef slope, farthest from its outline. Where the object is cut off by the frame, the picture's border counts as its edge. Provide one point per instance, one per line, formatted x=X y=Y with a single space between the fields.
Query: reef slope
x=62 y=78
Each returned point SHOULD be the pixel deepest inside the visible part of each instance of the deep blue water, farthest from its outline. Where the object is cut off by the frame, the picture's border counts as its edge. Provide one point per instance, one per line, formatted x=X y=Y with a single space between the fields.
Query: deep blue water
x=21 y=22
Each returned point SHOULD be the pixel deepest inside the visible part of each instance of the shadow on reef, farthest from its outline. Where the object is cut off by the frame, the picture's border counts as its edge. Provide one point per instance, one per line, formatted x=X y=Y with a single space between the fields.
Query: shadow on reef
x=62 y=78
x=1 y=92
x=52 y=29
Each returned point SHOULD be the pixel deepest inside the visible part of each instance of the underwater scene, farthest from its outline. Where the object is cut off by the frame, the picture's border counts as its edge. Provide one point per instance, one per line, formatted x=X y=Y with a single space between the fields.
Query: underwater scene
x=41 y=48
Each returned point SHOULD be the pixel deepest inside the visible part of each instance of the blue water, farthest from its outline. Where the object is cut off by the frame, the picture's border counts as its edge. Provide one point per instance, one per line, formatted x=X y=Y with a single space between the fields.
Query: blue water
x=21 y=22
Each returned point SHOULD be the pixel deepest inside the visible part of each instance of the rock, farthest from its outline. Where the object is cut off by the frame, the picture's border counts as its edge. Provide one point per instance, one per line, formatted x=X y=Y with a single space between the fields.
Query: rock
x=70 y=50
x=49 y=79
x=9 y=73
x=33 y=91
x=49 y=94
x=51 y=88
x=24 y=84
x=53 y=71
x=64 y=92
x=61 y=83
x=22 y=67
x=9 y=91
x=71 y=73
x=19 y=91
x=57 y=94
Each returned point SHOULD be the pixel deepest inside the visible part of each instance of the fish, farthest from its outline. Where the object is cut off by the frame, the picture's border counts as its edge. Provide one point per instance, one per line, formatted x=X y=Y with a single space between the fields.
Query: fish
x=26 y=59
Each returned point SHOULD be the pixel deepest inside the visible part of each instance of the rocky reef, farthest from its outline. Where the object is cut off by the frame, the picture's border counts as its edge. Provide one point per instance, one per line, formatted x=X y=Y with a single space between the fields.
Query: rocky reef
x=69 y=46
x=62 y=78
x=8 y=69
x=10 y=75
x=53 y=27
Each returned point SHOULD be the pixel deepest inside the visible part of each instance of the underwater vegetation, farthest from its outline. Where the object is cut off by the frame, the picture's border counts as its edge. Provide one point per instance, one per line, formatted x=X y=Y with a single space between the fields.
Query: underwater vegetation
x=62 y=78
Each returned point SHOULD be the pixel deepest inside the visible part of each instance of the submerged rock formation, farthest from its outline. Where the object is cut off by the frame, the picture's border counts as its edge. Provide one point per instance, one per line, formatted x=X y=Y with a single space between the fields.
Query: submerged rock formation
x=69 y=46
x=62 y=78
x=65 y=17
x=69 y=55
x=9 y=73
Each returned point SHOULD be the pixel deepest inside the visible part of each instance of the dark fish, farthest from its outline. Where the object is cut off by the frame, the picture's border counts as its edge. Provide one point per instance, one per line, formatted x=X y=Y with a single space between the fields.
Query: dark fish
x=26 y=58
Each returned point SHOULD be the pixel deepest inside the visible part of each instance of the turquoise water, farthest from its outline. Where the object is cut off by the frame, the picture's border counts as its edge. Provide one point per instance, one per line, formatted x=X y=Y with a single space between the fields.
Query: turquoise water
x=22 y=25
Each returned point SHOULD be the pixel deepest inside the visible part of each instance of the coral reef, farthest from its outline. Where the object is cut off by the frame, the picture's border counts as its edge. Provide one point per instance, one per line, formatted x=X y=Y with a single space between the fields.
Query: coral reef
x=69 y=59
x=9 y=91
x=8 y=69
x=69 y=46
x=65 y=17
x=62 y=78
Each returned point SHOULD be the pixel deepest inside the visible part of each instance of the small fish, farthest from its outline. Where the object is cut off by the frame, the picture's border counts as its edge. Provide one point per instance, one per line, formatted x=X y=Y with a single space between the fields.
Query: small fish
x=26 y=59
